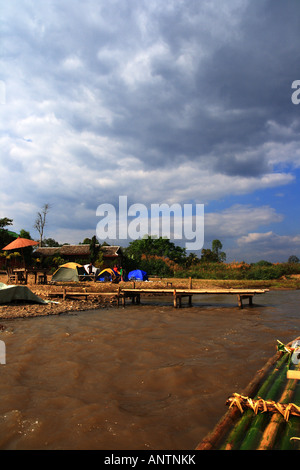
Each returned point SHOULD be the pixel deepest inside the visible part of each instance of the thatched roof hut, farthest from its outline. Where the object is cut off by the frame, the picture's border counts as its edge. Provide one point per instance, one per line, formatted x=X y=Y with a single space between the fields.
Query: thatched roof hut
x=72 y=252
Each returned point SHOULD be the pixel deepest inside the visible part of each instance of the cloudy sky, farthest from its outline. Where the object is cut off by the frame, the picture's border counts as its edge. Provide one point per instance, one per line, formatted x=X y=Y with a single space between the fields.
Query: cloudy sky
x=174 y=101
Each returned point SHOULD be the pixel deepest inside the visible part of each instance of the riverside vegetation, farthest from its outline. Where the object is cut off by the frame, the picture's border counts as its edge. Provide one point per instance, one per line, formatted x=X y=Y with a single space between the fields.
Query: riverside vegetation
x=161 y=257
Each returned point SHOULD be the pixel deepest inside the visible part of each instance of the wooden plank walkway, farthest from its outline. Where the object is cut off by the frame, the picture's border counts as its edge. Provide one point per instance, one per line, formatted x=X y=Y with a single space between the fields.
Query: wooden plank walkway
x=84 y=293
x=176 y=294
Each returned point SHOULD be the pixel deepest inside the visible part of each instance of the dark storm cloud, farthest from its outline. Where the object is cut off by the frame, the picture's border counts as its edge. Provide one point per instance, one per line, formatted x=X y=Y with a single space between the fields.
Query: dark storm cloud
x=224 y=102
x=237 y=81
x=245 y=77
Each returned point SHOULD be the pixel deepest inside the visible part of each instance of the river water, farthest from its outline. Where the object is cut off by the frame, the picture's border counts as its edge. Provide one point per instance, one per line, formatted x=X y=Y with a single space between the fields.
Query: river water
x=142 y=377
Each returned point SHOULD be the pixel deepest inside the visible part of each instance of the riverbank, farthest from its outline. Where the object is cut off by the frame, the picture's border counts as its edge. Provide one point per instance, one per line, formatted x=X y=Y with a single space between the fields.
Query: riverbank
x=56 y=305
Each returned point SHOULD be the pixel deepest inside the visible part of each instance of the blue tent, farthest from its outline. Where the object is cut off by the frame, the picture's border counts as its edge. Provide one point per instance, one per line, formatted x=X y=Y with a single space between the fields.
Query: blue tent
x=137 y=275
x=106 y=275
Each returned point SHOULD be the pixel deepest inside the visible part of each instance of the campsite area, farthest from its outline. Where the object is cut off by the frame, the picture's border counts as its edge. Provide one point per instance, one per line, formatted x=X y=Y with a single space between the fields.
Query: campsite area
x=57 y=305
x=21 y=309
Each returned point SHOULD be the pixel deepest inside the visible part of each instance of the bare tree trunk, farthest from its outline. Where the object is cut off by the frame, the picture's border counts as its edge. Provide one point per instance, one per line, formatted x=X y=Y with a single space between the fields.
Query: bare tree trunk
x=41 y=221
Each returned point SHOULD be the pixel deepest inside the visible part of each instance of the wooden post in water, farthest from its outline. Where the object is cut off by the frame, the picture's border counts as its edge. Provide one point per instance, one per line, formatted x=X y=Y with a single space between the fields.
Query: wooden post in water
x=118 y=296
x=174 y=299
x=241 y=297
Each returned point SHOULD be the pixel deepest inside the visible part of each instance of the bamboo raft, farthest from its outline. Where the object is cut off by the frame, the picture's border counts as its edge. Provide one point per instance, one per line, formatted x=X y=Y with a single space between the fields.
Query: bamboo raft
x=176 y=294
x=267 y=415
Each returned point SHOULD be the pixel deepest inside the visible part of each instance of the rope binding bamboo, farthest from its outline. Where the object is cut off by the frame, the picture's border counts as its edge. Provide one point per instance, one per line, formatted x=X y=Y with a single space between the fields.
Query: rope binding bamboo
x=260 y=405
x=287 y=348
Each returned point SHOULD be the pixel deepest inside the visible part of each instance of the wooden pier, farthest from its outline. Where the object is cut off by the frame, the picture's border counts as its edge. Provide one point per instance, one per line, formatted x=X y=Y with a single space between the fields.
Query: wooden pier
x=134 y=294
x=179 y=294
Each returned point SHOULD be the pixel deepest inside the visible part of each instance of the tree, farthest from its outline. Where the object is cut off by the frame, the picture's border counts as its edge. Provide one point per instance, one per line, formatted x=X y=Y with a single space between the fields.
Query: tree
x=25 y=234
x=293 y=259
x=208 y=256
x=213 y=255
x=98 y=262
x=263 y=262
x=40 y=222
x=50 y=242
x=6 y=236
x=216 y=247
x=5 y=221
x=149 y=246
x=191 y=260
x=86 y=241
x=94 y=249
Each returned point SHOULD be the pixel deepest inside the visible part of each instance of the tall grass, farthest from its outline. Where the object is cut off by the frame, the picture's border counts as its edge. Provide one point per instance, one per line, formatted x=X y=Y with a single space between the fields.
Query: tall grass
x=242 y=271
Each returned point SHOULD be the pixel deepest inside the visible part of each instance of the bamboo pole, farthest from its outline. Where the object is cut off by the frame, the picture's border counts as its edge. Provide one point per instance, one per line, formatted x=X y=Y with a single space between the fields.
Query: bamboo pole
x=261 y=420
x=215 y=438
x=293 y=427
x=271 y=431
x=237 y=433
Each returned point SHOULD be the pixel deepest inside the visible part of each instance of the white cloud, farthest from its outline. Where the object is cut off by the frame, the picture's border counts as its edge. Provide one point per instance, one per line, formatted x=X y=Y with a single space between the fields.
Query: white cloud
x=266 y=245
x=72 y=63
x=283 y=153
x=138 y=69
x=236 y=220
x=270 y=239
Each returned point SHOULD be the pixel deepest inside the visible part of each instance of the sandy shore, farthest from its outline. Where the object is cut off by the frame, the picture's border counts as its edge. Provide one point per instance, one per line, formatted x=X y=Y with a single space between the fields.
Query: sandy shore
x=22 y=309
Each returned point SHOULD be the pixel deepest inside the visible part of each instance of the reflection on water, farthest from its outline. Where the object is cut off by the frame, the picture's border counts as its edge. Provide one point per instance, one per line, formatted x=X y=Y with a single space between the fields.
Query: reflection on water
x=143 y=377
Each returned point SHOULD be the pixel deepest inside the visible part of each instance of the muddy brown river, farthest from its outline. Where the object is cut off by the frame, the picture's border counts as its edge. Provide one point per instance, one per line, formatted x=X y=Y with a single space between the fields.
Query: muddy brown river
x=144 y=377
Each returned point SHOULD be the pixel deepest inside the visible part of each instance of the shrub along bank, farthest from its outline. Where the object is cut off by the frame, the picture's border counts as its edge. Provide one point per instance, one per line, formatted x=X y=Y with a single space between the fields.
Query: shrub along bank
x=222 y=271
x=242 y=271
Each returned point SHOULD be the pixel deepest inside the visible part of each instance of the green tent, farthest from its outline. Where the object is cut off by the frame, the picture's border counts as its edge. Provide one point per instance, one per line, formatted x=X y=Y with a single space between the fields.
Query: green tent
x=11 y=293
x=68 y=272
